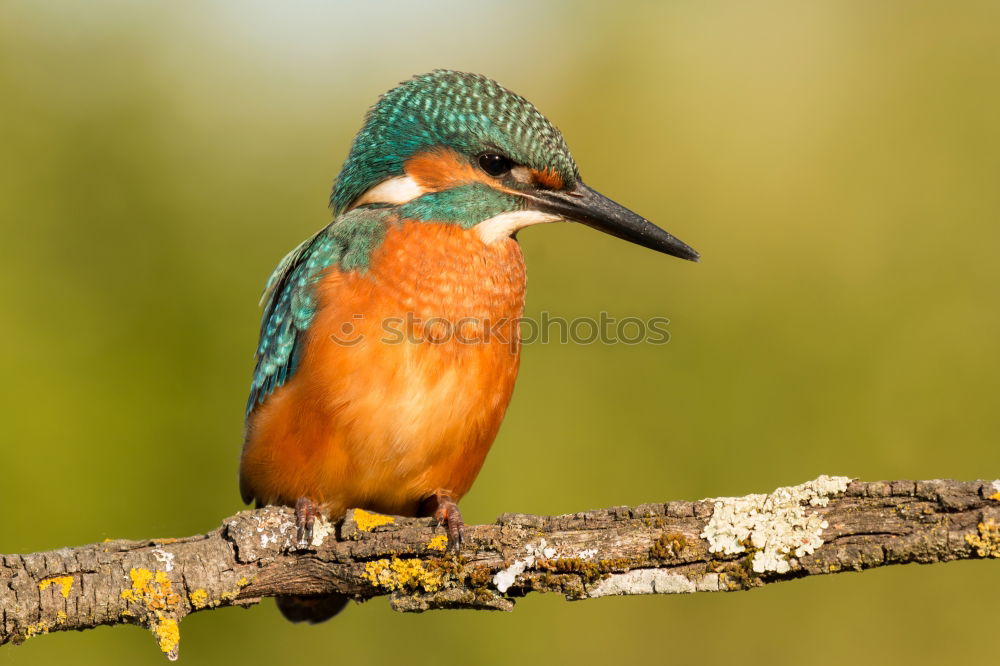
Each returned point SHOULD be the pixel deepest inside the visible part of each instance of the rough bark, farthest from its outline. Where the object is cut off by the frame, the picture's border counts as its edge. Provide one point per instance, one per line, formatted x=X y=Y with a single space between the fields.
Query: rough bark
x=825 y=526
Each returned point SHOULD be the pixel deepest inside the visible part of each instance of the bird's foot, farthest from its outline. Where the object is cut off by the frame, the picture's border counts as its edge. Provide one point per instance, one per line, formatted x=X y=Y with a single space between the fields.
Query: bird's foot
x=444 y=510
x=306 y=511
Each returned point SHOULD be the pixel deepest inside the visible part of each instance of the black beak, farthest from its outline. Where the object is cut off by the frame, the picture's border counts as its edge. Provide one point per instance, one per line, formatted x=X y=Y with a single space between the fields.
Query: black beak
x=592 y=208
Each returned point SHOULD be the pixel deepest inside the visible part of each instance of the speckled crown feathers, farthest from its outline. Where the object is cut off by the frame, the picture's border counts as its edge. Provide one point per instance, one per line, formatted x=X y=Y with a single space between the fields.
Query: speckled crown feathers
x=467 y=112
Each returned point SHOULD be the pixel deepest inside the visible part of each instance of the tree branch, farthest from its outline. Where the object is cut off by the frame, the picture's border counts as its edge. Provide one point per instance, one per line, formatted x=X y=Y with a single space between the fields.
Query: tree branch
x=824 y=526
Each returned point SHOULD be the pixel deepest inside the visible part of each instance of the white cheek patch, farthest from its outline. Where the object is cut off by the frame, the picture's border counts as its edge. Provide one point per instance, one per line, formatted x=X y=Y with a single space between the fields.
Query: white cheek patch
x=505 y=225
x=395 y=191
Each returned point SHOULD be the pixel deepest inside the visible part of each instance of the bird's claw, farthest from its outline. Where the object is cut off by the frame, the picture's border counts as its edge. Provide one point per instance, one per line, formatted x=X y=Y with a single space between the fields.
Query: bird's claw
x=306 y=511
x=445 y=512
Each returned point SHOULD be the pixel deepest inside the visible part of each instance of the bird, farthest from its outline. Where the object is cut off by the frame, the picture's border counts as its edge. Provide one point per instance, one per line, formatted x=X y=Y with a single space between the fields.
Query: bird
x=389 y=341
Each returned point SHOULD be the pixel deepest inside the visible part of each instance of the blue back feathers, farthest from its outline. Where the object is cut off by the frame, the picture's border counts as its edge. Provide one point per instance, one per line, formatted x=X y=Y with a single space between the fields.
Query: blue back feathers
x=290 y=300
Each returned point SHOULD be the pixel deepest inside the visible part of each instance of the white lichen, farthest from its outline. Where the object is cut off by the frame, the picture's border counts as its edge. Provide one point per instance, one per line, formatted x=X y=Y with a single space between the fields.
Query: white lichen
x=654 y=581
x=273 y=531
x=321 y=530
x=776 y=526
x=166 y=558
x=504 y=578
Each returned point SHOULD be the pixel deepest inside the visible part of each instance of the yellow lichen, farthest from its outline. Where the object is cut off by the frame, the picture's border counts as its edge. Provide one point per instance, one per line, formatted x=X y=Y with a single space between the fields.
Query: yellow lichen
x=987 y=542
x=995 y=496
x=168 y=635
x=140 y=579
x=154 y=600
x=199 y=598
x=65 y=584
x=367 y=520
x=232 y=594
x=440 y=542
x=36 y=629
x=40 y=627
x=400 y=574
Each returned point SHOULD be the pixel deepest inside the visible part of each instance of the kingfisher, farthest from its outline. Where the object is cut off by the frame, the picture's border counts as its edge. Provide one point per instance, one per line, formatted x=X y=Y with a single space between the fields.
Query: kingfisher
x=389 y=342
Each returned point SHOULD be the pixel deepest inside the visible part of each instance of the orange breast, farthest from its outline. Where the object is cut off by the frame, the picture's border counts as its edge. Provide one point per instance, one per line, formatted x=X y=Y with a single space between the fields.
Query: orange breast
x=405 y=374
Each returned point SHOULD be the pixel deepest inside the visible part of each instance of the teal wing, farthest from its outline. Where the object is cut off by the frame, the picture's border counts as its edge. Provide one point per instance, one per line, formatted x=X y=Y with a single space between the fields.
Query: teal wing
x=289 y=298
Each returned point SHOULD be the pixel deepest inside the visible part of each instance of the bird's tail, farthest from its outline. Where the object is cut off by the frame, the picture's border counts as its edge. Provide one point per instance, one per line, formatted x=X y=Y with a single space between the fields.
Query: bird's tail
x=311 y=609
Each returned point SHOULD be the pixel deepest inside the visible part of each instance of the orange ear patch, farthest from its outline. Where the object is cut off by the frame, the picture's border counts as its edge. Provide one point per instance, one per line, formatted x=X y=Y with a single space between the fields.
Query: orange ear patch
x=442 y=168
x=439 y=169
x=548 y=178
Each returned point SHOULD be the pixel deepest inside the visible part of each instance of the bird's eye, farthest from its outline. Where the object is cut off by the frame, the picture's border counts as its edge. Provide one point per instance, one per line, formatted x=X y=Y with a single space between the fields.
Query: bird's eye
x=495 y=165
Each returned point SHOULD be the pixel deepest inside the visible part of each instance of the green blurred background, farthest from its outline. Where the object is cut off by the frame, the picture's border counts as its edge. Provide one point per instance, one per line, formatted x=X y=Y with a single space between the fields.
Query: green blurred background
x=836 y=163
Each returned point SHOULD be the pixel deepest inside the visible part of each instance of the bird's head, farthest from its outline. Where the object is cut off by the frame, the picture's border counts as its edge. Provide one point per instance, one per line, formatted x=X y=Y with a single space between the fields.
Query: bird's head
x=452 y=146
